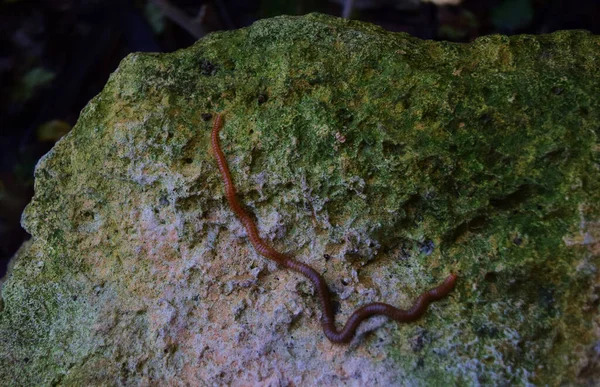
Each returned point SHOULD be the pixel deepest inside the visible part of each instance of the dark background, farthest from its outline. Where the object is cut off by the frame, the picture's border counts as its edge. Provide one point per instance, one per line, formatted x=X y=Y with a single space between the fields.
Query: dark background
x=55 y=55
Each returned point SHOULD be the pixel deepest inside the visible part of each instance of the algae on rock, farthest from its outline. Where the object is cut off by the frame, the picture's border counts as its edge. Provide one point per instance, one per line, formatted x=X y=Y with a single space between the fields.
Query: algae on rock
x=400 y=159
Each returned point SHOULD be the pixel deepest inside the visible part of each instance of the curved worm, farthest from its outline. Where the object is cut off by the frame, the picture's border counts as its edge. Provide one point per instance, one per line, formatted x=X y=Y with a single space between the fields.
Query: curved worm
x=327 y=320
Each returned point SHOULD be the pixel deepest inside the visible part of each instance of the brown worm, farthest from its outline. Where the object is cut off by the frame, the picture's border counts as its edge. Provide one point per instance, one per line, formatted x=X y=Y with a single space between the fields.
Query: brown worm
x=327 y=320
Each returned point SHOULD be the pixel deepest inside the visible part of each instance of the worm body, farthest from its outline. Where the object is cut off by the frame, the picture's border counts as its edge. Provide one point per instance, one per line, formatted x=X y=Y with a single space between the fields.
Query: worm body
x=327 y=319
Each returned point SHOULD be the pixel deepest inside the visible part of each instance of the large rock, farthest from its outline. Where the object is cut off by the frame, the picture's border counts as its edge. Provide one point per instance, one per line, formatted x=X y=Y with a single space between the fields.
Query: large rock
x=383 y=161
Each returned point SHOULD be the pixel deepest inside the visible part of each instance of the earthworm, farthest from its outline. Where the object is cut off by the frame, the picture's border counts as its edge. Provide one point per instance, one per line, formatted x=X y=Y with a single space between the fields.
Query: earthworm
x=327 y=319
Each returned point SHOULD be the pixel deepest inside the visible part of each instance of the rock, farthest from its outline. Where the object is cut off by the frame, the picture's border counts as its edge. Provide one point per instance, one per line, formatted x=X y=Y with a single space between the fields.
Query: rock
x=400 y=160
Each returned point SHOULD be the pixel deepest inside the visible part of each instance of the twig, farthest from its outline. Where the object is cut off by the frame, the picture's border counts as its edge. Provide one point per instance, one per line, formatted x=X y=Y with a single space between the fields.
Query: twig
x=180 y=18
x=347 y=10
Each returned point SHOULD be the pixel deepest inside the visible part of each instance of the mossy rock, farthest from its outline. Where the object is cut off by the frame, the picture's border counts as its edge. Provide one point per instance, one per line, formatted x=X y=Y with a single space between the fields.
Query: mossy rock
x=384 y=161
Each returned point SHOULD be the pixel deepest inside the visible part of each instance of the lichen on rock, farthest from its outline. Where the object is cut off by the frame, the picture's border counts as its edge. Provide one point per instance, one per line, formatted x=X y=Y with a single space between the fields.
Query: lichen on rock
x=384 y=161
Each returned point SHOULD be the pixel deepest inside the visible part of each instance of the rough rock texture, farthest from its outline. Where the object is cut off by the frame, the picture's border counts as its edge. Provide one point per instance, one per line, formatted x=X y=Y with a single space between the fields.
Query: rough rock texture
x=384 y=161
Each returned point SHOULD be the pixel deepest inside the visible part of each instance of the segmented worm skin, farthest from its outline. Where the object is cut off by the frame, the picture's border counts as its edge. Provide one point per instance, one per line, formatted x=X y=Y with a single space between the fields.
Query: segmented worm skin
x=327 y=320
